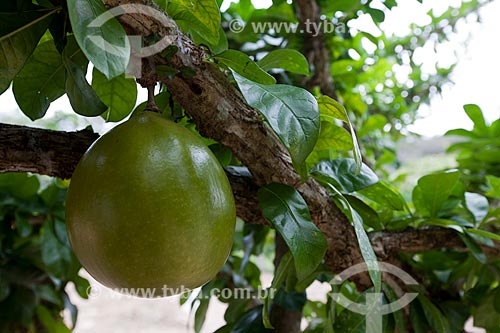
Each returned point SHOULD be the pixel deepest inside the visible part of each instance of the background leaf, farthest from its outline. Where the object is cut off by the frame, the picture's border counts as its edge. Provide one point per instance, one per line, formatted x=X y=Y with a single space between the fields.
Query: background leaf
x=433 y=190
x=207 y=13
x=19 y=40
x=119 y=94
x=476 y=115
x=287 y=211
x=363 y=240
x=330 y=107
x=40 y=82
x=246 y=67
x=384 y=194
x=494 y=183
x=475 y=250
x=287 y=59
x=292 y=113
x=82 y=97
x=341 y=173
x=333 y=137
x=434 y=316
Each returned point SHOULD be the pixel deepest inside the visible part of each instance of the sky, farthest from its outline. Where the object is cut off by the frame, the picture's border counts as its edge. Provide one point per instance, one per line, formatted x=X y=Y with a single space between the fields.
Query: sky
x=475 y=77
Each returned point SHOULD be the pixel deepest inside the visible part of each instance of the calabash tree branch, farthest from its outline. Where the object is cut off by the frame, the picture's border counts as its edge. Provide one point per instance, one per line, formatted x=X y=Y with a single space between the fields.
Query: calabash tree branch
x=56 y=154
x=387 y=244
x=46 y=152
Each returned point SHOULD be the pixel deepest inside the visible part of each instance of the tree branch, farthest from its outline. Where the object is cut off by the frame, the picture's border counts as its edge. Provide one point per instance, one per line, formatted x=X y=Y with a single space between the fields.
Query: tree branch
x=388 y=243
x=56 y=153
x=52 y=153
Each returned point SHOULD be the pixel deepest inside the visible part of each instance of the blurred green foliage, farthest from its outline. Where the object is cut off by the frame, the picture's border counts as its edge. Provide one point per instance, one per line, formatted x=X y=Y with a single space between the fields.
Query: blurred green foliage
x=36 y=260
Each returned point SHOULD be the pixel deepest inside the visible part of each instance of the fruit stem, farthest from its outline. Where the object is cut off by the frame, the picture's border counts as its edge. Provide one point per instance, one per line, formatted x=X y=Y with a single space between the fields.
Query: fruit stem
x=151 y=105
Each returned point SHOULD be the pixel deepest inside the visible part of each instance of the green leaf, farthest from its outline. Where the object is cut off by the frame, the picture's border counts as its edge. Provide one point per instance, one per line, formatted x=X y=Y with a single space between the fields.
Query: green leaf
x=474 y=249
x=485 y=315
x=101 y=37
x=246 y=67
x=385 y=194
x=418 y=321
x=483 y=233
x=82 y=286
x=287 y=59
x=19 y=40
x=221 y=46
x=494 y=185
x=376 y=14
x=251 y=322
x=330 y=107
x=46 y=318
x=41 y=81
x=369 y=215
x=398 y=315
x=461 y=132
x=191 y=25
x=290 y=111
x=477 y=204
x=48 y=293
x=433 y=190
x=119 y=94
x=57 y=258
x=287 y=211
x=434 y=316
x=389 y=4
x=235 y=309
x=342 y=174
x=82 y=97
x=364 y=242
x=20 y=185
x=201 y=311
x=162 y=3
x=495 y=128
x=476 y=115
x=444 y=223
x=207 y=13
x=333 y=137
x=23 y=226
x=373 y=123
x=290 y=300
